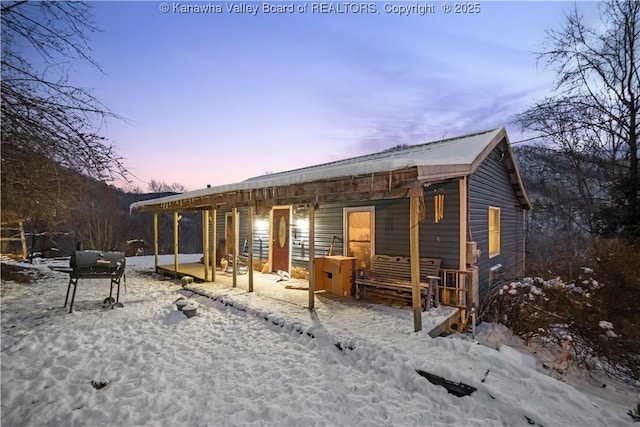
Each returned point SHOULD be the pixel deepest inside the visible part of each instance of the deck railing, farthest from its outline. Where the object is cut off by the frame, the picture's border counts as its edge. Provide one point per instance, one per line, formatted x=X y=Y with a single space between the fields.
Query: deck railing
x=454 y=288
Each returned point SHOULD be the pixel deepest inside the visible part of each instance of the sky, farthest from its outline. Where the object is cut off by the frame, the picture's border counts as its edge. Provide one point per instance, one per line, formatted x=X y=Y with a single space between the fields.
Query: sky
x=215 y=97
x=261 y=359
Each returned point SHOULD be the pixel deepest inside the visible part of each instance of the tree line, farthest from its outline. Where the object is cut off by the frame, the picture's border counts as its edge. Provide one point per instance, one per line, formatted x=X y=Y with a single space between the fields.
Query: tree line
x=582 y=170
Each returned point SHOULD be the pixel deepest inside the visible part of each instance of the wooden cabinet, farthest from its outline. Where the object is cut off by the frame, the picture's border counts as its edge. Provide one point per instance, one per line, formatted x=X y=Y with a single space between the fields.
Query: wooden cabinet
x=334 y=274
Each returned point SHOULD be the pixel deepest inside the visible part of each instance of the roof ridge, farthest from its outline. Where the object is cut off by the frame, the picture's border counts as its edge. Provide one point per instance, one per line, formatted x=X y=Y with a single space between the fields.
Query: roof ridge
x=454 y=138
x=364 y=156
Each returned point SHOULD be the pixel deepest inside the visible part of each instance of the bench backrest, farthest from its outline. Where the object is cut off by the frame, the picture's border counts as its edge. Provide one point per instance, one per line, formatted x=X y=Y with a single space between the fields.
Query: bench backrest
x=399 y=268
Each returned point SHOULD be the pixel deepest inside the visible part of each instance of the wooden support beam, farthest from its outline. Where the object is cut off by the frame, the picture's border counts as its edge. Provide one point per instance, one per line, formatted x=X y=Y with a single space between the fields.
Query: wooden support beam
x=250 y=238
x=234 y=252
x=312 y=251
x=464 y=217
x=155 y=239
x=23 y=240
x=205 y=243
x=175 y=244
x=214 y=245
x=414 y=250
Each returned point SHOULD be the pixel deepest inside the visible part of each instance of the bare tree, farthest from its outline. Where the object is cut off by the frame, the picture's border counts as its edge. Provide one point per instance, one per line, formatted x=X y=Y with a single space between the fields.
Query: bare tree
x=159 y=186
x=592 y=118
x=98 y=221
x=44 y=117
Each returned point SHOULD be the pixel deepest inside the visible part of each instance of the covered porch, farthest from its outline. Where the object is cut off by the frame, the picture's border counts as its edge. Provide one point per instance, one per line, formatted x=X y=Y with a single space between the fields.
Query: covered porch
x=223 y=208
x=295 y=292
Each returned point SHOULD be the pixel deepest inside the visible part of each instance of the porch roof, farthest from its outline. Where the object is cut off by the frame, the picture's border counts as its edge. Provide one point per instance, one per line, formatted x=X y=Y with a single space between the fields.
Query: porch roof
x=388 y=174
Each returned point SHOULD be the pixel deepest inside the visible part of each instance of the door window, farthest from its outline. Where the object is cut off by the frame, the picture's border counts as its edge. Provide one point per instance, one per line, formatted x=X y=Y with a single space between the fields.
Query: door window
x=359 y=231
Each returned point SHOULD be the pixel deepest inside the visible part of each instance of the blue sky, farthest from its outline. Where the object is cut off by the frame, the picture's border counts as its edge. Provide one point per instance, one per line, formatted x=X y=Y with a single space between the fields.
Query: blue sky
x=214 y=98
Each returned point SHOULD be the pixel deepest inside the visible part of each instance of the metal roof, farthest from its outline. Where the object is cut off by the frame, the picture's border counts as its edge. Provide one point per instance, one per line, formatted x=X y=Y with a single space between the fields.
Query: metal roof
x=436 y=160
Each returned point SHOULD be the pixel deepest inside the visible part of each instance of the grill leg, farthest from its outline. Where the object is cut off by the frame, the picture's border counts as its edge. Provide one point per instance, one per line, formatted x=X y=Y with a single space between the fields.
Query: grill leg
x=68 y=289
x=73 y=295
x=115 y=282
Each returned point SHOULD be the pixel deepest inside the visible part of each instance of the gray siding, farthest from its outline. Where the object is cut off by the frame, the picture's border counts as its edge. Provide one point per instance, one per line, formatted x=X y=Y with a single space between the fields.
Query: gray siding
x=329 y=223
x=260 y=237
x=299 y=238
x=442 y=239
x=219 y=244
x=392 y=227
x=490 y=186
x=437 y=240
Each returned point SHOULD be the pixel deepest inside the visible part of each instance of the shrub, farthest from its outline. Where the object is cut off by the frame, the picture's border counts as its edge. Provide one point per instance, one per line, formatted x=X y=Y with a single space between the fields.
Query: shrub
x=599 y=310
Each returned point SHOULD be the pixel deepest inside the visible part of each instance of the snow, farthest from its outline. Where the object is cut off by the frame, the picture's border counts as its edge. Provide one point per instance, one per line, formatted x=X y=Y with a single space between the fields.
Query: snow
x=249 y=359
x=522 y=359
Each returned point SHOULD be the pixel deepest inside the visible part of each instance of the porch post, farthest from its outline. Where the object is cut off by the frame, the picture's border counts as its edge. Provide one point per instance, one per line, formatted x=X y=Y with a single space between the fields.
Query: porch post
x=205 y=243
x=23 y=239
x=214 y=246
x=463 y=223
x=175 y=244
x=464 y=215
x=155 y=239
x=414 y=246
x=250 y=238
x=234 y=253
x=312 y=251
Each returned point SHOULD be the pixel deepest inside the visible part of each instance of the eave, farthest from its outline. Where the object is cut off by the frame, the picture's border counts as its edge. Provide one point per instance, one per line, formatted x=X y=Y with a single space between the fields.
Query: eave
x=375 y=186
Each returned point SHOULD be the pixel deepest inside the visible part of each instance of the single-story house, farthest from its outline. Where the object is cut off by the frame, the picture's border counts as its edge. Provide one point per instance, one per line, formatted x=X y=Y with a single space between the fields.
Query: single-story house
x=459 y=200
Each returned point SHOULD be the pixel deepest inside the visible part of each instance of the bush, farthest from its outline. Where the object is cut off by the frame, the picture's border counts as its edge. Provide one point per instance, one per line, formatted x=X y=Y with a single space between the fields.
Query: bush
x=600 y=315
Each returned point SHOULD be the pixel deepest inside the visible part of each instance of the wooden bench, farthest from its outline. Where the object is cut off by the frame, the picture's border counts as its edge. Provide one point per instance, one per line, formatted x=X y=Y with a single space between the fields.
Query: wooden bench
x=390 y=278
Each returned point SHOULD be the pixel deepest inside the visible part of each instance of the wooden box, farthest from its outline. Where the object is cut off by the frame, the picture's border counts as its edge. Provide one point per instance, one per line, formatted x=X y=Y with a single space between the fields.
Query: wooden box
x=334 y=274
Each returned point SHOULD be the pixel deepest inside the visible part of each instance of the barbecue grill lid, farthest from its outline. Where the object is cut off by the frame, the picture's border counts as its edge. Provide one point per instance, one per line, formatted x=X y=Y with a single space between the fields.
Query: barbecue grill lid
x=106 y=260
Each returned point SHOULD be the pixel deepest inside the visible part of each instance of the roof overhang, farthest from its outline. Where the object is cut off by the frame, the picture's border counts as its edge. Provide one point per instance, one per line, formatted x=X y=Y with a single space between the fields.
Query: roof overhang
x=386 y=175
x=374 y=186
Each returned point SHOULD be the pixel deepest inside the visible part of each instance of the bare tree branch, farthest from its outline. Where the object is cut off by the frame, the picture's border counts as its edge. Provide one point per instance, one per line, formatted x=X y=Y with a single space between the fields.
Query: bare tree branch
x=592 y=118
x=44 y=116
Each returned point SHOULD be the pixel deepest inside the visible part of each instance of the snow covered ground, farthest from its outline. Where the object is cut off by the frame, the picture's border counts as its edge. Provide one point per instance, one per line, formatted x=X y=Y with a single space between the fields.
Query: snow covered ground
x=248 y=359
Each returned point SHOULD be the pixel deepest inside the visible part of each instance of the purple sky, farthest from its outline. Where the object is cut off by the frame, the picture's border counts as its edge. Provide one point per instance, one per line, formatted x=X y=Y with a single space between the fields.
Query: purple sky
x=215 y=98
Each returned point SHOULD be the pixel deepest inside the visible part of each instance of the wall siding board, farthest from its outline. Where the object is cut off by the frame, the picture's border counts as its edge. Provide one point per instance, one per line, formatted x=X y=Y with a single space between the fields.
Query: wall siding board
x=437 y=240
x=392 y=227
x=490 y=186
x=442 y=240
x=260 y=236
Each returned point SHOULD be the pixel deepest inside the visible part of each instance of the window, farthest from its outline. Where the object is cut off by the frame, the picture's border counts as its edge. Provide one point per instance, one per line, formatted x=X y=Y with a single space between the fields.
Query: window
x=438 y=203
x=494 y=232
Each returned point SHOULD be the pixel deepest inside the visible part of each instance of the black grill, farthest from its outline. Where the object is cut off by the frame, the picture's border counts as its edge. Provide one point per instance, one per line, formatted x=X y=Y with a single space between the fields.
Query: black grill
x=96 y=265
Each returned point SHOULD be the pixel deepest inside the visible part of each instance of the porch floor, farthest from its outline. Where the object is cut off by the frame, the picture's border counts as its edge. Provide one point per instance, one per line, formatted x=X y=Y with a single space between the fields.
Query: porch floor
x=435 y=321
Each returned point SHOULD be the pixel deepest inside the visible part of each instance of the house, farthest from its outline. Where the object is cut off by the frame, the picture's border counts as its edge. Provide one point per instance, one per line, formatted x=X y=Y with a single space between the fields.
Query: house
x=460 y=200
